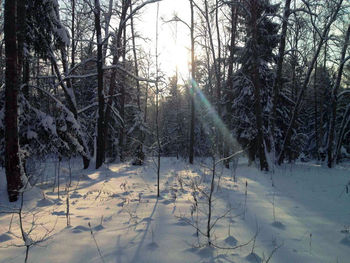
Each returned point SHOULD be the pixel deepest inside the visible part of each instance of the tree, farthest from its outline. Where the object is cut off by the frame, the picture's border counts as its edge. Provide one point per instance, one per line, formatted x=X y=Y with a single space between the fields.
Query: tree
x=101 y=100
x=323 y=36
x=255 y=78
x=192 y=92
x=334 y=99
x=12 y=151
x=277 y=87
x=174 y=115
x=229 y=88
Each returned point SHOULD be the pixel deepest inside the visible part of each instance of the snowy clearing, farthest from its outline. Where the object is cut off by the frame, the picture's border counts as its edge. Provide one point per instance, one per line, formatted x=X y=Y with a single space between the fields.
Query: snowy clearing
x=305 y=217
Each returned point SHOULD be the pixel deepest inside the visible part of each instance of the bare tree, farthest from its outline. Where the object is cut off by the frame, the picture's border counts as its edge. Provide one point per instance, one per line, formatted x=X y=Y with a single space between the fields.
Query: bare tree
x=342 y=61
x=157 y=104
x=323 y=37
x=192 y=93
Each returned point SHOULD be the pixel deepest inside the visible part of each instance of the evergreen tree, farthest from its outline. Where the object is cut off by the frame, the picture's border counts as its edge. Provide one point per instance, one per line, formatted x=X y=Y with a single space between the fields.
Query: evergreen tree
x=254 y=81
x=174 y=126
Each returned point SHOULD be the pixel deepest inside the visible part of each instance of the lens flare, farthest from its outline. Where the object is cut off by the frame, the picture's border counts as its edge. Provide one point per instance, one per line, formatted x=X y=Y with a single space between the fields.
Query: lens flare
x=201 y=101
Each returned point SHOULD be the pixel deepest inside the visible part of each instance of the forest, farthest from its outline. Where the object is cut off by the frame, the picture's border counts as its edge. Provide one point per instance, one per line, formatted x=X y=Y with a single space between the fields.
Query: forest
x=125 y=125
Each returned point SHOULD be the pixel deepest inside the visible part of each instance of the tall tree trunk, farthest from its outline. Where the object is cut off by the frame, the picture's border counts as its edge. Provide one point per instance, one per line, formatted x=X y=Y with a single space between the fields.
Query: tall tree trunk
x=316 y=113
x=230 y=84
x=106 y=29
x=257 y=89
x=100 y=151
x=139 y=152
x=12 y=154
x=157 y=107
x=216 y=64
x=334 y=100
x=322 y=109
x=192 y=93
x=21 y=34
x=277 y=87
x=118 y=52
x=122 y=133
x=218 y=60
x=73 y=34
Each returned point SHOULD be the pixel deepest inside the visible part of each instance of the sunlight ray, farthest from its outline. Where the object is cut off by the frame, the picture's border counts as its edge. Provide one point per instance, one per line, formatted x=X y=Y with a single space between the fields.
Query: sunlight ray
x=202 y=101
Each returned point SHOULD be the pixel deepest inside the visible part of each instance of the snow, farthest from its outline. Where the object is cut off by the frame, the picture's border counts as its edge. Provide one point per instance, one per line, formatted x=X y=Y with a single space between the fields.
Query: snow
x=305 y=216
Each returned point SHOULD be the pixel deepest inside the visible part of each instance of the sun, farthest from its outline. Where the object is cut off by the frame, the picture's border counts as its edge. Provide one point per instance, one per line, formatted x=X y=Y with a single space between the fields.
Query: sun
x=176 y=57
x=180 y=57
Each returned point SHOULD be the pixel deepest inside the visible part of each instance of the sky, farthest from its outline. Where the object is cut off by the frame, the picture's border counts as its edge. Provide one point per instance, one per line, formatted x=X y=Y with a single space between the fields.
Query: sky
x=174 y=40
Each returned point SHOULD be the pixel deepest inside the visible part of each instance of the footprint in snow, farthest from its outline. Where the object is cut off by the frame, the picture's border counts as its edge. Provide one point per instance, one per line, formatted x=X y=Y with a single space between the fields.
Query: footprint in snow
x=99 y=228
x=79 y=229
x=168 y=201
x=121 y=204
x=254 y=258
x=206 y=252
x=59 y=213
x=44 y=202
x=147 y=219
x=152 y=246
x=5 y=237
x=75 y=195
x=231 y=241
x=181 y=222
x=279 y=225
x=346 y=241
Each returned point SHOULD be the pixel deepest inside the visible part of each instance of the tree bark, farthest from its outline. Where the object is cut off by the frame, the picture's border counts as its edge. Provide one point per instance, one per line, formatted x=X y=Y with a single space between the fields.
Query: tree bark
x=12 y=154
x=118 y=51
x=73 y=34
x=139 y=152
x=257 y=89
x=192 y=92
x=230 y=84
x=100 y=151
x=277 y=87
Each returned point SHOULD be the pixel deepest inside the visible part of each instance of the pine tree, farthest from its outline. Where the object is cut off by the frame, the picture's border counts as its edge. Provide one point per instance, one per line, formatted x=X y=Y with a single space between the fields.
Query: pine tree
x=174 y=125
x=254 y=81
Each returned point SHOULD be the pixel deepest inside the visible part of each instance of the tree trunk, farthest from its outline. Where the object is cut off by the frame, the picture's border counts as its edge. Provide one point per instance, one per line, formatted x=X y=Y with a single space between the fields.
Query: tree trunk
x=230 y=84
x=100 y=151
x=277 y=87
x=118 y=49
x=334 y=100
x=192 y=93
x=12 y=158
x=257 y=90
x=122 y=134
x=73 y=34
x=139 y=152
x=157 y=108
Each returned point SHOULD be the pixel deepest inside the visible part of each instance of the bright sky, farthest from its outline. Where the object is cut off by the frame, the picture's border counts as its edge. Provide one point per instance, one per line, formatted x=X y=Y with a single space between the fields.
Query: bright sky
x=174 y=41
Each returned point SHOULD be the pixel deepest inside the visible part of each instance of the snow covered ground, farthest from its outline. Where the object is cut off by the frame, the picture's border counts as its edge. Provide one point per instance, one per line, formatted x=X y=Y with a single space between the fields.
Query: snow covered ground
x=300 y=213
